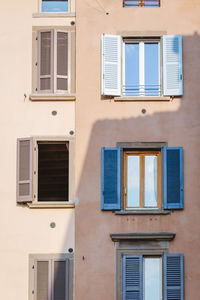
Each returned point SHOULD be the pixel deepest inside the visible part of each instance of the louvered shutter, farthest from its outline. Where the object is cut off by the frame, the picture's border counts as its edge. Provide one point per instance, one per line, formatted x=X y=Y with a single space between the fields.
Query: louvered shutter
x=45 y=61
x=62 y=41
x=24 y=169
x=111 y=65
x=173 y=177
x=132 y=277
x=173 y=277
x=60 y=279
x=110 y=178
x=172 y=65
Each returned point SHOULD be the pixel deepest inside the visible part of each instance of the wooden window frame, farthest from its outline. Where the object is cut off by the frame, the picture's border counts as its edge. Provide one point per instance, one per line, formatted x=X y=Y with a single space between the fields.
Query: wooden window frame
x=49 y=12
x=142 y=154
x=140 y=4
x=141 y=42
x=53 y=73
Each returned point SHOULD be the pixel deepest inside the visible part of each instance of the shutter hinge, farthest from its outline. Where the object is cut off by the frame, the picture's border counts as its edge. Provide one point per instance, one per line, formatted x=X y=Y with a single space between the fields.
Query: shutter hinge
x=33 y=267
x=36 y=38
x=33 y=292
x=36 y=89
x=34 y=196
x=36 y=63
x=34 y=148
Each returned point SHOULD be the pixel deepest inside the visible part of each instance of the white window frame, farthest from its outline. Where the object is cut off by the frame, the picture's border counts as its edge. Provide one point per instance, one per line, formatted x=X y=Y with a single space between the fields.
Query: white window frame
x=53 y=74
x=53 y=12
x=141 y=43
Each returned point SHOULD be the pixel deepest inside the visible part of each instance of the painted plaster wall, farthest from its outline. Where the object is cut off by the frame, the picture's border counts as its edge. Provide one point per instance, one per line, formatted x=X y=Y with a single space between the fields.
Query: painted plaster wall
x=23 y=230
x=101 y=122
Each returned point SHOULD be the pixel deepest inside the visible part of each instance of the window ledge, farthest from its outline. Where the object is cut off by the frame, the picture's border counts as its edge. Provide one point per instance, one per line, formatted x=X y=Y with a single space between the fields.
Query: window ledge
x=143 y=212
x=53 y=15
x=162 y=98
x=148 y=236
x=52 y=97
x=51 y=205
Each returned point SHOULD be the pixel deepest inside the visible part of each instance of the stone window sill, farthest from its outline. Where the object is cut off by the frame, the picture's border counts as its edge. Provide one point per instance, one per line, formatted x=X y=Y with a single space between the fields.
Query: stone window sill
x=51 y=205
x=52 y=97
x=152 y=99
x=53 y=15
x=143 y=212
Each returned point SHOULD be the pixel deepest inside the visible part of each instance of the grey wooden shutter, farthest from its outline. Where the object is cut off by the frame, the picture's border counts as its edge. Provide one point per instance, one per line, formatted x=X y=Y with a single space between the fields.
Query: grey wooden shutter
x=45 y=61
x=172 y=65
x=60 y=279
x=111 y=65
x=62 y=60
x=42 y=282
x=132 y=277
x=24 y=170
x=173 y=277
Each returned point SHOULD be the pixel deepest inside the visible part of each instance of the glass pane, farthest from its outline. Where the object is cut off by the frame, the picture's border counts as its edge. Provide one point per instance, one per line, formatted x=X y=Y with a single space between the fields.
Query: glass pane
x=151 y=58
x=24 y=160
x=59 y=280
x=150 y=181
x=54 y=6
x=131 y=3
x=62 y=53
x=42 y=280
x=45 y=54
x=151 y=3
x=131 y=87
x=152 y=279
x=45 y=84
x=133 y=181
x=24 y=189
x=62 y=84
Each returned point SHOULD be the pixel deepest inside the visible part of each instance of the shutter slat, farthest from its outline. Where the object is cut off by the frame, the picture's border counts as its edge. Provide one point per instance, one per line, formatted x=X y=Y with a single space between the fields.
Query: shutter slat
x=110 y=178
x=172 y=65
x=111 y=65
x=24 y=170
x=132 y=277
x=173 y=277
x=173 y=177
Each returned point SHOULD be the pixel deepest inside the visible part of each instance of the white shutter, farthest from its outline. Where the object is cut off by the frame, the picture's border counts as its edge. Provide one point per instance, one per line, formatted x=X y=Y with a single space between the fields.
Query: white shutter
x=172 y=65
x=111 y=65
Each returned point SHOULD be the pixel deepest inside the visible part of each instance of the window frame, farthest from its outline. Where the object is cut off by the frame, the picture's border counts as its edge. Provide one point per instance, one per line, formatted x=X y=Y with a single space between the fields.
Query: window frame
x=53 y=74
x=54 y=12
x=142 y=154
x=141 y=41
x=141 y=3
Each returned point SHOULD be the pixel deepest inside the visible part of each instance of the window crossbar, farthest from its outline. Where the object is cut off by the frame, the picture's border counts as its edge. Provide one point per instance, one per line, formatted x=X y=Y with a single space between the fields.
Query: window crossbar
x=144 y=3
x=142 y=90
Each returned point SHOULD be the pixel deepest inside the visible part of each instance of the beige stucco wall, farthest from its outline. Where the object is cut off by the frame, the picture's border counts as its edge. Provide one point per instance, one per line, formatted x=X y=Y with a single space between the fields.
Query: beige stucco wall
x=23 y=230
x=101 y=122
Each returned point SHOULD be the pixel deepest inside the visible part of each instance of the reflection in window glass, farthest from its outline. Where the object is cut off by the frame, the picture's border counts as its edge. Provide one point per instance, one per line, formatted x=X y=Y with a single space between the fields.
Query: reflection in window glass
x=54 y=6
x=152 y=279
x=151 y=58
x=131 y=69
x=150 y=181
x=133 y=181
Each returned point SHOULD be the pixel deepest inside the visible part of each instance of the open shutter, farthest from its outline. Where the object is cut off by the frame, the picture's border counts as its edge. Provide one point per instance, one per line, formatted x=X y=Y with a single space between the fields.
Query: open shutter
x=24 y=170
x=172 y=65
x=60 y=279
x=173 y=277
x=45 y=61
x=111 y=65
x=173 y=177
x=110 y=178
x=132 y=277
x=62 y=60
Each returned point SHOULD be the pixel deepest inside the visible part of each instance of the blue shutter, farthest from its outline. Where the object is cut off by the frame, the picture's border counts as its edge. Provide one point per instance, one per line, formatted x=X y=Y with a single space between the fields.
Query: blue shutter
x=172 y=65
x=173 y=177
x=173 y=277
x=132 y=277
x=110 y=178
x=111 y=65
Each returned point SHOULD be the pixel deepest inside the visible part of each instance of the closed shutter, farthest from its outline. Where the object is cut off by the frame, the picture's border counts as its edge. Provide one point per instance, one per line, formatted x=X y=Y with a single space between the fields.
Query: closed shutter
x=173 y=277
x=110 y=178
x=132 y=277
x=172 y=65
x=24 y=170
x=173 y=177
x=45 y=61
x=60 y=280
x=111 y=65
x=62 y=58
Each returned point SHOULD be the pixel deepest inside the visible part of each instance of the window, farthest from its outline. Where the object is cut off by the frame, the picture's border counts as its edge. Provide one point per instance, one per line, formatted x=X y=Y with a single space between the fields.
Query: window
x=142 y=3
x=142 y=67
x=45 y=171
x=51 y=277
x=54 y=5
x=142 y=177
x=53 y=64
